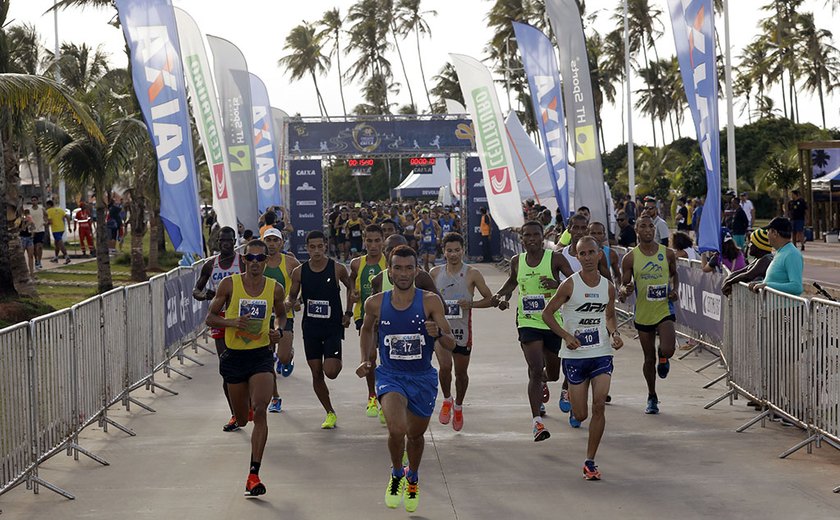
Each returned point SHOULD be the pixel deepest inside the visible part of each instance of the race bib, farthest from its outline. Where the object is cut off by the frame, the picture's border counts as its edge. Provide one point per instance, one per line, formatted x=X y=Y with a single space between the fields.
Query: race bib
x=588 y=338
x=427 y=239
x=405 y=347
x=318 y=309
x=533 y=303
x=355 y=233
x=256 y=310
x=657 y=293
x=453 y=310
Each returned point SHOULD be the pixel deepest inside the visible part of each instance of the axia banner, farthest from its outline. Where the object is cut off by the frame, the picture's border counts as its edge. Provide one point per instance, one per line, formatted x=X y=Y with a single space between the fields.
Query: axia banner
x=265 y=151
x=477 y=199
x=307 y=202
x=694 y=35
x=158 y=78
x=491 y=141
x=279 y=118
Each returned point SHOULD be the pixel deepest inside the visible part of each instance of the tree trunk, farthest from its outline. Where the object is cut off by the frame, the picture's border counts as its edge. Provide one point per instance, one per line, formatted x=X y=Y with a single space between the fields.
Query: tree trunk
x=42 y=181
x=137 y=211
x=154 y=224
x=7 y=286
x=340 y=77
x=103 y=260
x=422 y=73
x=822 y=103
x=402 y=65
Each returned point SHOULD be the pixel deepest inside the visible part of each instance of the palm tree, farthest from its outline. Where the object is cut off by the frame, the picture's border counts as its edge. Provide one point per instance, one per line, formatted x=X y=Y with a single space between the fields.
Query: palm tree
x=79 y=66
x=779 y=173
x=412 y=19
x=755 y=68
x=369 y=38
x=779 y=29
x=655 y=170
x=502 y=47
x=820 y=63
x=305 y=57
x=676 y=93
x=446 y=87
x=388 y=17
x=654 y=98
x=331 y=25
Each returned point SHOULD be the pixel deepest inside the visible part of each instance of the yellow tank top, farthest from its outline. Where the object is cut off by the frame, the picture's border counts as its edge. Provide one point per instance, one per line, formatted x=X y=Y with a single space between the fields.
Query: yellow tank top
x=281 y=275
x=364 y=279
x=259 y=308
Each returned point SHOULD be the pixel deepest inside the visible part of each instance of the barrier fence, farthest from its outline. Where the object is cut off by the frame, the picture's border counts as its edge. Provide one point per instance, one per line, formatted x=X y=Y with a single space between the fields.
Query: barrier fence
x=781 y=352
x=62 y=372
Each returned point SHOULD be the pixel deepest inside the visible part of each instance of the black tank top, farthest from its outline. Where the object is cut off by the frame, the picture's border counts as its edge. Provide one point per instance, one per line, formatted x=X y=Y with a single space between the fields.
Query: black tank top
x=321 y=297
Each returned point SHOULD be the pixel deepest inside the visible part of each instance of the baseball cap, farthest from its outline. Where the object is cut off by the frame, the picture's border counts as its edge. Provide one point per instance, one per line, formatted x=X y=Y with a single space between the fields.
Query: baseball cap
x=744 y=194
x=272 y=232
x=760 y=239
x=780 y=224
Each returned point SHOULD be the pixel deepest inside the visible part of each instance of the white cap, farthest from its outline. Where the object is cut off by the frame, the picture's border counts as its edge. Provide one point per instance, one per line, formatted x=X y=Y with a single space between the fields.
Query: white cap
x=273 y=232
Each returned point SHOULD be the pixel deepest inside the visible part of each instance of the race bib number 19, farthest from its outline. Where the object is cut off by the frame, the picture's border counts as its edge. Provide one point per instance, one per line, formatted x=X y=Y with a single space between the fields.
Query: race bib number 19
x=533 y=303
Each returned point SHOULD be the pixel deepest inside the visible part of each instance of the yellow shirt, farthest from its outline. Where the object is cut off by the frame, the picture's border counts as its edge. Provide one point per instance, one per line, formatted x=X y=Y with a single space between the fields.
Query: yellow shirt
x=56 y=217
x=259 y=308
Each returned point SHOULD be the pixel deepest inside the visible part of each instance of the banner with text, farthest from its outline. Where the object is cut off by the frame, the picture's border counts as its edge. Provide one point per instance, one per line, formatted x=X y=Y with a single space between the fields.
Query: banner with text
x=265 y=150
x=279 y=118
x=477 y=199
x=307 y=200
x=158 y=78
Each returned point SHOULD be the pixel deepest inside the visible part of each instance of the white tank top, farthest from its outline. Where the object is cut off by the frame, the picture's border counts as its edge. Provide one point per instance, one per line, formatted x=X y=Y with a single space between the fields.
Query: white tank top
x=454 y=288
x=585 y=317
x=573 y=261
x=220 y=273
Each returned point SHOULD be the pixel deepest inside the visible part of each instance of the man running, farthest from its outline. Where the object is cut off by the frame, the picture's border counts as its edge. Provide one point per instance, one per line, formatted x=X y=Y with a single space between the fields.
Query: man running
x=427 y=233
x=247 y=365
x=323 y=320
x=57 y=218
x=588 y=302
x=353 y=232
x=277 y=267
x=226 y=264
x=362 y=271
x=651 y=269
x=457 y=283
x=609 y=261
x=409 y=321
x=382 y=282
x=537 y=273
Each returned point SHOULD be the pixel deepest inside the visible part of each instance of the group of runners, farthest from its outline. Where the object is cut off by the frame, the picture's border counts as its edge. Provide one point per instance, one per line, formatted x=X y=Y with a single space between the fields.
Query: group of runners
x=405 y=315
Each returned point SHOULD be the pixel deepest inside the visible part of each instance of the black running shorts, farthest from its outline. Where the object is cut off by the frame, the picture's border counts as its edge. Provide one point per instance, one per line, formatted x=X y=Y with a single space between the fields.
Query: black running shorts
x=323 y=342
x=237 y=366
x=550 y=340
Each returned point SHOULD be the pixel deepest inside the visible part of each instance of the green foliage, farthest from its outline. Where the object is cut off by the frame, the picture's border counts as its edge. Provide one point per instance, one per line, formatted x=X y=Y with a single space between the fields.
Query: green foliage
x=343 y=186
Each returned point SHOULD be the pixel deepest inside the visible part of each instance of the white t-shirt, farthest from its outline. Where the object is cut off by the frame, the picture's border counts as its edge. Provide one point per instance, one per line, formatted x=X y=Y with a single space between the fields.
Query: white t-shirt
x=747 y=206
x=37 y=218
x=662 y=231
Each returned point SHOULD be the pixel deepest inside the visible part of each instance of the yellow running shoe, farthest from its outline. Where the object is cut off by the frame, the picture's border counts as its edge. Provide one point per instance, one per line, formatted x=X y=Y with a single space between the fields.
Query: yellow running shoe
x=329 y=422
x=372 y=409
x=381 y=416
x=412 y=496
x=394 y=491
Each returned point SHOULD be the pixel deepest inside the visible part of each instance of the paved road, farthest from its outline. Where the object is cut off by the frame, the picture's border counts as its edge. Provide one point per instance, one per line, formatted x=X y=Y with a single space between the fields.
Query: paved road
x=686 y=463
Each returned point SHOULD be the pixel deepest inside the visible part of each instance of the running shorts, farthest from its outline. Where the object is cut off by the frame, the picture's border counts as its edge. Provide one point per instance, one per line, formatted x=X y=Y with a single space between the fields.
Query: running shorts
x=550 y=340
x=323 y=343
x=419 y=388
x=237 y=366
x=58 y=236
x=578 y=370
x=652 y=328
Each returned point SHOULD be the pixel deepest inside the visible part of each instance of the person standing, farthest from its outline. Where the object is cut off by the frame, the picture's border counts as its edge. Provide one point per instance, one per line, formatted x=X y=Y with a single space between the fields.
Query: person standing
x=427 y=233
x=27 y=229
x=589 y=333
x=682 y=215
x=749 y=208
x=83 y=222
x=797 y=209
x=739 y=224
x=403 y=324
x=626 y=233
x=324 y=321
x=651 y=270
x=762 y=254
x=662 y=233
x=39 y=219
x=114 y=225
x=695 y=218
x=785 y=270
x=247 y=365
x=58 y=221
x=486 y=236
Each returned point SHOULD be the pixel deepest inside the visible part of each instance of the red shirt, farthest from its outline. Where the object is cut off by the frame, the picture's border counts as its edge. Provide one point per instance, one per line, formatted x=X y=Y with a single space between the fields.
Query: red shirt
x=83 y=219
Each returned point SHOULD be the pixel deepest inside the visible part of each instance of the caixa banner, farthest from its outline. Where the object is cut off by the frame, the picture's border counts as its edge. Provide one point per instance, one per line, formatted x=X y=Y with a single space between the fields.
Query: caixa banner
x=306 y=202
x=477 y=199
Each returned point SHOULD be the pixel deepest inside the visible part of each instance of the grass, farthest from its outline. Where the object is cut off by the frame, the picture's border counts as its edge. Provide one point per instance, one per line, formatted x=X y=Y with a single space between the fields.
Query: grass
x=62 y=297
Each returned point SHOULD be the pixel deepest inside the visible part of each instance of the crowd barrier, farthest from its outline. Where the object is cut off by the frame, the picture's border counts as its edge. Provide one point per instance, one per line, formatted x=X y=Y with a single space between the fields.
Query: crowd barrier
x=62 y=372
x=779 y=351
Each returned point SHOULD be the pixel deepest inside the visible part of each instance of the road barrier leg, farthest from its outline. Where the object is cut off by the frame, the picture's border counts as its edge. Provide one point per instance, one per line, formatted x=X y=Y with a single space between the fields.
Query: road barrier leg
x=716 y=380
x=760 y=417
x=720 y=398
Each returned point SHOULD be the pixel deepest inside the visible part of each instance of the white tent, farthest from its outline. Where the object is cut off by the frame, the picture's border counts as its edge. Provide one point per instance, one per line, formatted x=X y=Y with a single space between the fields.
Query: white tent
x=424 y=184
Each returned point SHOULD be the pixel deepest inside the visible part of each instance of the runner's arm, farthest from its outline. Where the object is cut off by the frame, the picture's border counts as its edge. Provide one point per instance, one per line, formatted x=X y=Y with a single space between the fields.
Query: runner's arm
x=626 y=276
x=352 y=296
x=376 y=283
x=424 y=281
x=673 y=275
x=436 y=324
x=603 y=268
x=219 y=302
x=510 y=284
x=614 y=262
x=294 y=289
x=564 y=292
x=612 y=323
x=367 y=339
x=478 y=282
x=559 y=264
x=344 y=277
x=279 y=308
x=198 y=291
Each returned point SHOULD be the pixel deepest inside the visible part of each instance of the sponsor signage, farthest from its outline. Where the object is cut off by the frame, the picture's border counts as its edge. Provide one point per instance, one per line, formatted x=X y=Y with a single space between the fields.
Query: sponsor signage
x=477 y=199
x=306 y=187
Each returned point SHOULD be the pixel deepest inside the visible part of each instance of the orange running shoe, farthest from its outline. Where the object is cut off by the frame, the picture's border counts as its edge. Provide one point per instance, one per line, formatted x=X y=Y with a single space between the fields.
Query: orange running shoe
x=446 y=411
x=457 y=420
x=590 y=471
x=253 y=486
x=540 y=433
x=231 y=425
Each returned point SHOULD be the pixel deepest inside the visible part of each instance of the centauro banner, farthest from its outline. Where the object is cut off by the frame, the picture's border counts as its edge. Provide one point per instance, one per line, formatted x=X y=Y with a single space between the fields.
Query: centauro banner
x=230 y=72
x=580 y=106
x=491 y=142
x=208 y=120
x=268 y=181
x=155 y=54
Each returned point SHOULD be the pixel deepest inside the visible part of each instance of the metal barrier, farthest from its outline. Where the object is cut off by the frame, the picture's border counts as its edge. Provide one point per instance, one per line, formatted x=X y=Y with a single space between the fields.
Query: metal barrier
x=17 y=450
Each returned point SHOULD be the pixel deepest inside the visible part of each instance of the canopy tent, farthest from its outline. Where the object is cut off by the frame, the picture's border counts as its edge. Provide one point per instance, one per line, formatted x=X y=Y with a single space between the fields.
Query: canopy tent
x=830 y=180
x=424 y=184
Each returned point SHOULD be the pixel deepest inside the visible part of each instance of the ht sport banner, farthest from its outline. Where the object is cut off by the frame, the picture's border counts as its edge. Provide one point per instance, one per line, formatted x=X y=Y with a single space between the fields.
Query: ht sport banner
x=265 y=151
x=580 y=106
x=150 y=33
x=544 y=82
x=307 y=200
x=694 y=34
x=230 y=72
x=490 y=140
x=477 y=199
x=208 y=120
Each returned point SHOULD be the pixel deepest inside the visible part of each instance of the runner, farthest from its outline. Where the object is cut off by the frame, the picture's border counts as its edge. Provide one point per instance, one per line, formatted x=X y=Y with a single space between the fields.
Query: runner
x=427 y=232
x=609 y=260
x=382 y=282
x=84 y=223
x=353 y=232
x=406 y=381
x=247 y=364
x=389 y=227
x=227 y=263
x=362 y=272
x=323 y=322
x=277 y=267
x=651 y=269
x=457 y=283
x=341 y=242
x=588 y=302
x=537 y=273
x=56 y=219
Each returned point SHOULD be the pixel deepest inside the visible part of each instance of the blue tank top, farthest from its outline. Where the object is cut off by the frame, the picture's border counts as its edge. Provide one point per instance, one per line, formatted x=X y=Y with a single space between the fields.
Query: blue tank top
x=404 y=345
x=447 y=225
x=428 y=230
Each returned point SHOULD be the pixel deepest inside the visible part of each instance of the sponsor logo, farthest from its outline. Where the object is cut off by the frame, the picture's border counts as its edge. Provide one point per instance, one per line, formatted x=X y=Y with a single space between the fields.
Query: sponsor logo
x=687 y=301
x=711 y=305
x=590 y=321
x=305 y=173
x=592 y=307
x=652 y=267
x=500 y=180
x=585 y=143
x=306 y=203
x=240 y=158
x=221 y=186
x=365 y=137
x=305 y=187
x=306 y=215
x=660 y=257
x=702 y=62
x=492 y=144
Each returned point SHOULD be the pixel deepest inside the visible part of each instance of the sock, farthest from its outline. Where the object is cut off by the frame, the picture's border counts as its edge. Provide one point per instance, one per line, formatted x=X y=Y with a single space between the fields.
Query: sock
x=255 y=467
x=397 y=472
x=448 y=399
x=537 y=420
x=589 y=460
x=653 y=396
x=458 y=407
x=411 y=476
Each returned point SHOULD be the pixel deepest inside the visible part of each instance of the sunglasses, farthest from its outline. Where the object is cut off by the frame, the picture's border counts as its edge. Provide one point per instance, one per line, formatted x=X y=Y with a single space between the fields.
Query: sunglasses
x=255 y=258
x=621 y=219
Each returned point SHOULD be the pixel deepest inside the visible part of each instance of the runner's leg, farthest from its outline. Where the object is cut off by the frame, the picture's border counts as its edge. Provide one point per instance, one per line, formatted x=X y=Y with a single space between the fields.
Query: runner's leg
x=395 y=407
x=316 y=366
x=534 y=357
x=260 y=392
x=462 y=379
x=444 y=358
x=240 y=401
x=667 y=338
x=600 y=389
x=648 y=342
x=415 y=431
x=220 y=348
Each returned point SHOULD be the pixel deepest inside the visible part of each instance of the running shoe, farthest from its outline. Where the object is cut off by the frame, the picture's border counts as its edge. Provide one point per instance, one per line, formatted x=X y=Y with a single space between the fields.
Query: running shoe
x=445 y=411
x=609 y=398
x=565 y=404
x=287 y=369
x=329 y=422
x=275 y=405
x=546 y=393
x=394 y=491
x=381 y=416
x=372 y=409
x=253 y=486
x=573 y=422
x=663 y=367
x=412 y=496
x=542 y=410
x=54 y=260
x=66 y=260
x=540 y=433
x=590 y=471
x=652 y=406
x=231 y=425
x=457 y=420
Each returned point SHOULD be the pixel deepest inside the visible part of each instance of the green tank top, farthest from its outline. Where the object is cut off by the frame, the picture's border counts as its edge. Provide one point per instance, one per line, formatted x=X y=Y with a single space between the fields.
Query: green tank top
x=363 y=280
x=386 y=282
x=280 y=274
x=650 y=274
x=532 y=297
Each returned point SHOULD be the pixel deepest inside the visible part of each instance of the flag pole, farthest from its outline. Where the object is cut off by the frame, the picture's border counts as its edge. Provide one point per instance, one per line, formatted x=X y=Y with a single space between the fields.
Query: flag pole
x=631 y=156
x=730 y=123
x=62 y=189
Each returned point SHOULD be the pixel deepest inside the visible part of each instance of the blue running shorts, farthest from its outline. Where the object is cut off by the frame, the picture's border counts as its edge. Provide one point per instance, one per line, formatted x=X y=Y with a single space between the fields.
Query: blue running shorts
x=579 y=370
x=419 y=388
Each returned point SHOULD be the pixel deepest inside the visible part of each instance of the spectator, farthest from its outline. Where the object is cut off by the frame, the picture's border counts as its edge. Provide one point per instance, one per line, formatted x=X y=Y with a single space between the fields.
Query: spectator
x=785 y=271
x=730 y=256
x=749 y=208
x=114 y=223
x=662 y=233
x=762 y=253
x=683 y=246
x=739 y=223
x=486 y=236
x=630 y=210
x=682 y=215
x=626 y=233
x=797 y=207
x=695 y=217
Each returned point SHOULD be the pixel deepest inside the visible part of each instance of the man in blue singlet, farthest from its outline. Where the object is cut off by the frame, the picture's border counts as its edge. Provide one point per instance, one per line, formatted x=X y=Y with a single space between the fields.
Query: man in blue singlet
x=427 y=233
x=409 y=320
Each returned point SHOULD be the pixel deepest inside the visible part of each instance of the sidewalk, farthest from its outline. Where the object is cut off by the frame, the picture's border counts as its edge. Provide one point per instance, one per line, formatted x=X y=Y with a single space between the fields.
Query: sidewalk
x=685 y=463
